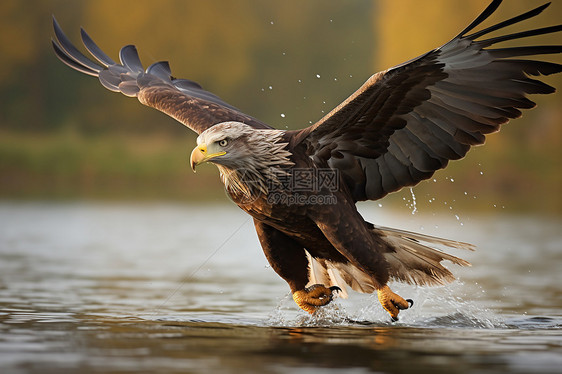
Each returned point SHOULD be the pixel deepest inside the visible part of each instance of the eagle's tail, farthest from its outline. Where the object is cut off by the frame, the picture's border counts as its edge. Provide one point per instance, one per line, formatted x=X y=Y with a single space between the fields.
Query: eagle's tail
x=412 y=259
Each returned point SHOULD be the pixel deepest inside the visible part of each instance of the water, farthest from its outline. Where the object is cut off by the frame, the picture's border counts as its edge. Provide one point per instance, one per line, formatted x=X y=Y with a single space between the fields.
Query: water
x=144 y=288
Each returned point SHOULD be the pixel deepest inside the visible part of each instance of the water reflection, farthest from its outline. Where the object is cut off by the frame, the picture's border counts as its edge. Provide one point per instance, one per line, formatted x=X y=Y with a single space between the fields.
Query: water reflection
x=105 y=288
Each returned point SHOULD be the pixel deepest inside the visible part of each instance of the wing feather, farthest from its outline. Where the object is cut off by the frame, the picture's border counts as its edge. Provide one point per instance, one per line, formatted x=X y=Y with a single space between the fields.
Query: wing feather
x=94 y=50
x=407 y=122
x=181 y=99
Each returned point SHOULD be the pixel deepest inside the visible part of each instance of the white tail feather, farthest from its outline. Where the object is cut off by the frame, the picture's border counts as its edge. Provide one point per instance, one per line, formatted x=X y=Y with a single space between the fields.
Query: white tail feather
x=328 y=273
x=414 y=259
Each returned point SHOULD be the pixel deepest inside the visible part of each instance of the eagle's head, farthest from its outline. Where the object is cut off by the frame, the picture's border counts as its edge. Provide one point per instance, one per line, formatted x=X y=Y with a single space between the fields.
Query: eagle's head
x=249 y=159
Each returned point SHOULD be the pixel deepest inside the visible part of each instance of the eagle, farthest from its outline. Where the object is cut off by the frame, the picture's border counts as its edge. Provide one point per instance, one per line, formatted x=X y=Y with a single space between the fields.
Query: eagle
x=301 y=186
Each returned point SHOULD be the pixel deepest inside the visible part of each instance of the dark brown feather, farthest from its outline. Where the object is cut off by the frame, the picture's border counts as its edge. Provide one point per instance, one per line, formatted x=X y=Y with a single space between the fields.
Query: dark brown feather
x=407 y=122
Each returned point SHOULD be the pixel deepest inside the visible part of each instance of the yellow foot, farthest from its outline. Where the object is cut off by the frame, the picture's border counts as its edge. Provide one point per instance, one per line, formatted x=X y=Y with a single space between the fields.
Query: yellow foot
x=314 y=296
x=392 y=302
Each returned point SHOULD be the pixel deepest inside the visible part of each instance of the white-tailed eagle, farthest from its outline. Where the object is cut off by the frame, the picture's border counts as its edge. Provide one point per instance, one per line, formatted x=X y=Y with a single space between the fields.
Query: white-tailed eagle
x=301 y=187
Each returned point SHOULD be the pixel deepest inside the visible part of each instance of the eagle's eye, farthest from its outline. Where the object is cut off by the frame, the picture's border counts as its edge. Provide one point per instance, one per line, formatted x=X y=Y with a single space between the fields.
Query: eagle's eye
x=223 y=143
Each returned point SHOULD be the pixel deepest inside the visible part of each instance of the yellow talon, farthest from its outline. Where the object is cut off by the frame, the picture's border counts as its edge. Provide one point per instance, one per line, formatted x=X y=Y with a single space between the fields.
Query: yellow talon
x=392 y=302
x=313 y=297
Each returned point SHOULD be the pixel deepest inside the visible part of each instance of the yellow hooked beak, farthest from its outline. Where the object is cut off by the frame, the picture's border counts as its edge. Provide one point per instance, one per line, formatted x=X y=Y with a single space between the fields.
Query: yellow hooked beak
x=200 y=155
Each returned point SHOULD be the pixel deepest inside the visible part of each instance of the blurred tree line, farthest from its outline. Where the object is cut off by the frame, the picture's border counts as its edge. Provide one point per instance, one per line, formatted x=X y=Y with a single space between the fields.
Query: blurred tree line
x=285 y=62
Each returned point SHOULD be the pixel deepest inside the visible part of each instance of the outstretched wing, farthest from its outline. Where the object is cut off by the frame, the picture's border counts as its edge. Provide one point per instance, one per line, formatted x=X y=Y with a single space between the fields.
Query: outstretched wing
x=181 y=99
x=405 y=123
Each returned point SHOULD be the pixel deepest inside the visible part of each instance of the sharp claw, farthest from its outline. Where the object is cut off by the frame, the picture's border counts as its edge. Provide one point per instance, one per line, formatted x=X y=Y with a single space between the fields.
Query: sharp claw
x=311 y=298
x=398 y=306
x=394 y=319
x=335 y=288
x=411 y=302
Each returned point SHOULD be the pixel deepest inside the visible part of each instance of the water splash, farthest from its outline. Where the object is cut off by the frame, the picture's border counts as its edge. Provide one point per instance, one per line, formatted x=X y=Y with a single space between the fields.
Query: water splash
x=447 y=306
x=286 y=314
x=442 y=307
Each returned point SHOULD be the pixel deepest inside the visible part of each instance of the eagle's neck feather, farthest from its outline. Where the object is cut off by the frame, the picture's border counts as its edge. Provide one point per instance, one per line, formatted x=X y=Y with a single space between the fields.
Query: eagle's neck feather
x=262 y=170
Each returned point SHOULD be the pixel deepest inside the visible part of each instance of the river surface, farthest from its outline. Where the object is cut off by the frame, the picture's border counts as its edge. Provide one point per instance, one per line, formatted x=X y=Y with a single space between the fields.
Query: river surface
x=128 y=288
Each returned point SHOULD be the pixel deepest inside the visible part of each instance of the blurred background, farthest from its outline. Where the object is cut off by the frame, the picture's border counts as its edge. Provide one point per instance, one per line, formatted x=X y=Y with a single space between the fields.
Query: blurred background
x=64 y=137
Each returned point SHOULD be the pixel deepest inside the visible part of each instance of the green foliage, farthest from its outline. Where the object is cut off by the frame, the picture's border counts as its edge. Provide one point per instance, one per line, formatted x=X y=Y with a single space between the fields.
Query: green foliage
x=68 y=165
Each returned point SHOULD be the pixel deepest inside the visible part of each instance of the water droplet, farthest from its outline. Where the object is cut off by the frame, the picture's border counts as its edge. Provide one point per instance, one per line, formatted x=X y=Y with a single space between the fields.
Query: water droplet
x=270 y=87
x=414 y=206
x=317 y=75
x=283 y=115
x=380 y=205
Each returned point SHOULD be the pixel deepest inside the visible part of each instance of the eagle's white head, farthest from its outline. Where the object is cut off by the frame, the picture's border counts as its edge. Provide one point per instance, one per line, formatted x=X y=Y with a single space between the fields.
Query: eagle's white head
x=249 y=159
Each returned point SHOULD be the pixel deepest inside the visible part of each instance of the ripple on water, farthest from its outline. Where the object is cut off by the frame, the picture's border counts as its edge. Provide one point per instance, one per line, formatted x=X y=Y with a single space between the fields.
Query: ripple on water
x=536 y=322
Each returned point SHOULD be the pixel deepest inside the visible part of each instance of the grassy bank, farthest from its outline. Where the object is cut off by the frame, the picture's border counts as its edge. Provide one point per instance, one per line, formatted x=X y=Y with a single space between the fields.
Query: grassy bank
x=69 y=166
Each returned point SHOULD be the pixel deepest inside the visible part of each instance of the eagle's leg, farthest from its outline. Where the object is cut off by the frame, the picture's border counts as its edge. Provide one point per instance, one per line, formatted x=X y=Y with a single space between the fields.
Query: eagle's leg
x=393 y=303
x=317 y=295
